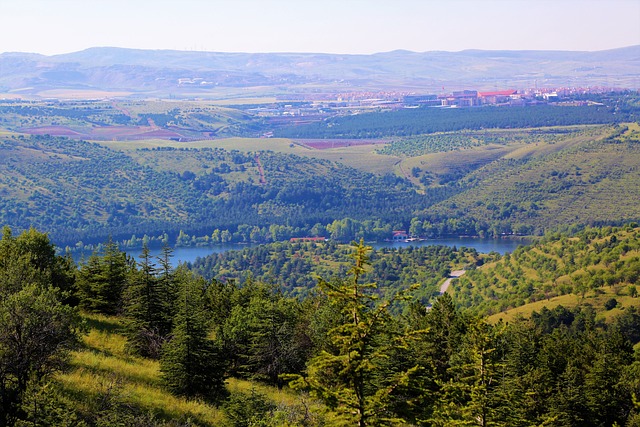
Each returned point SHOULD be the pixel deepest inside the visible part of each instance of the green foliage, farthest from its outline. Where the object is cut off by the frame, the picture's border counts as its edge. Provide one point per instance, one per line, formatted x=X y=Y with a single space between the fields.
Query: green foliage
x=368 y=364
x=347 y=377
x=611 y=304
x=294 y=267
x=443 y=142
x=249 y=410
x=410 y=122
x=37 y=329
x=91 y=192
x=472 y=394
x=191 y=364
x=102 y=280
x=589 y=262
x=148 y=308
x=586 y=180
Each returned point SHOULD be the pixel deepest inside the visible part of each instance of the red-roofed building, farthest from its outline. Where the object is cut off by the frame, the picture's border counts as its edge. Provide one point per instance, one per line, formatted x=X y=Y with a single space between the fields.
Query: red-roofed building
x=400 y=235
x=497 y=97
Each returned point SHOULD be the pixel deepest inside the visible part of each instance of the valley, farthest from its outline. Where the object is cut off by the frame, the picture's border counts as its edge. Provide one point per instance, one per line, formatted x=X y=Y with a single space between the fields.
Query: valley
x=356 y=263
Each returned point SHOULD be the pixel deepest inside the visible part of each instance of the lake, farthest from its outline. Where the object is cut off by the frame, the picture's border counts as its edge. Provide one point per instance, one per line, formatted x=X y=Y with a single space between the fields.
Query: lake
x=501 y=246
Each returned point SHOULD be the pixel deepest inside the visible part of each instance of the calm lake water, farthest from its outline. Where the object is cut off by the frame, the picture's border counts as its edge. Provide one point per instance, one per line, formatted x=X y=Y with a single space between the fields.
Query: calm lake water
x=481 y=245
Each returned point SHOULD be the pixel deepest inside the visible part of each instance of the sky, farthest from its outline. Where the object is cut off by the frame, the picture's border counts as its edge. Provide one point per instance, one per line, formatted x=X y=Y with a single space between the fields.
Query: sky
x=329 y=26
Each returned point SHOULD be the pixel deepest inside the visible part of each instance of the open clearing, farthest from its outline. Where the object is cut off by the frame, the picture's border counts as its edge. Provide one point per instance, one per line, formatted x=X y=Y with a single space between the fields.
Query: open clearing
x=569 y=301
x=361 y=157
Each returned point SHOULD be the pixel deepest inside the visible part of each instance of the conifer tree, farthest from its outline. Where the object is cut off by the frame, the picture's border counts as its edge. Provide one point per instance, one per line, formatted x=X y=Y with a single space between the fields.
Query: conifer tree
x=471 y=397
x=276 y=345
x=191 y=364
x=348 y=375
x=102 y=279
x=166 y=286
x=147 y=326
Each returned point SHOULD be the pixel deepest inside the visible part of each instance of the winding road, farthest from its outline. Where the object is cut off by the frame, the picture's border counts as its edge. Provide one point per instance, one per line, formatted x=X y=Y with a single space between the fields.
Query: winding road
x=454 y=275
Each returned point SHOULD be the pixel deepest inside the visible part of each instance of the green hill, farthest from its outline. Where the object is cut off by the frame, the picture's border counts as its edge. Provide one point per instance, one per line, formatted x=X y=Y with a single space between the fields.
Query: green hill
x=595 y=266
x=156 y=171
x=84 y=191
x=588 y=177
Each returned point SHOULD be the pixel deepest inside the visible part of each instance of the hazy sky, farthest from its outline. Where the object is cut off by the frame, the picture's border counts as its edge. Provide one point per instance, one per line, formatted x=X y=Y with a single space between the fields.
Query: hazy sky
x=333 y=26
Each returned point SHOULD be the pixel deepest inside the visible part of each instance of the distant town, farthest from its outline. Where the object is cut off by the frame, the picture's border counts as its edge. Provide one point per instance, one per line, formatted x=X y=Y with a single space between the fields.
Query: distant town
x=306 y=108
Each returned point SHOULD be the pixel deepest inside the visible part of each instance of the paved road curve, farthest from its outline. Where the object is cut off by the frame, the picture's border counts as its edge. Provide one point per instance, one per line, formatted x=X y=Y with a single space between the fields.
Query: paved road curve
x=454 y=275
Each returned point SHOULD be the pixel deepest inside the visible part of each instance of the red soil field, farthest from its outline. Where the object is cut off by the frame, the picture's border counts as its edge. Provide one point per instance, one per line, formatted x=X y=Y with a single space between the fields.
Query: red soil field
x=53 y=131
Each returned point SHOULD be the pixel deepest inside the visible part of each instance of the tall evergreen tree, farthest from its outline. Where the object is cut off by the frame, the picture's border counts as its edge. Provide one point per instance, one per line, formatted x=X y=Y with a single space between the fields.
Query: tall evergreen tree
x=167 y=290
x=148 y=323
x=102 y=279
x=276 y=344
x=472 y=396
x=347 y=375
x=191 y=364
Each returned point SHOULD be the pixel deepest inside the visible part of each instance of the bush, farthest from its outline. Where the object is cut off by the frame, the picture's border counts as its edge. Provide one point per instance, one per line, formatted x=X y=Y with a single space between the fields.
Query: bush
x=246 y=410
x=611 y=304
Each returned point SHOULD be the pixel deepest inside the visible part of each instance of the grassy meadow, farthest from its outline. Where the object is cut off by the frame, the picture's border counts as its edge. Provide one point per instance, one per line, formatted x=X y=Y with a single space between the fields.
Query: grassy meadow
x=103 y=369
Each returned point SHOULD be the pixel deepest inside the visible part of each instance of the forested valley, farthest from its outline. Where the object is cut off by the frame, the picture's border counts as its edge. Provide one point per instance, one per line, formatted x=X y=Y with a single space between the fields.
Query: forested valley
x=305 y=324
x=485 y=172
x=122 y=341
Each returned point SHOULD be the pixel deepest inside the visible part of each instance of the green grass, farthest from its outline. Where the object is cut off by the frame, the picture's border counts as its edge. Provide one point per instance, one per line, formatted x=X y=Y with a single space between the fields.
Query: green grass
x=103 y=366
x=569 y=301
x=103 y=363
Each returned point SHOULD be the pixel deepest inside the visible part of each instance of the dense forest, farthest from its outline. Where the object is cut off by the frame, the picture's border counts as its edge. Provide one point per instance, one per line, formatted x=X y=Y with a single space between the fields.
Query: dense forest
x=295 y=267
x=121 y=341
x=469 y=171
x=91 y=191
x=410 y=122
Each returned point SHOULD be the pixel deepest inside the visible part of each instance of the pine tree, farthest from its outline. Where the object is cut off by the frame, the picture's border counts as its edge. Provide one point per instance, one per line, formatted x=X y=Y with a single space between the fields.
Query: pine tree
x=145 y=311
x=347 y=376
x=191 y=364
x=276 y=345
x=472 y=395
x=102 y=279
x=167 y=289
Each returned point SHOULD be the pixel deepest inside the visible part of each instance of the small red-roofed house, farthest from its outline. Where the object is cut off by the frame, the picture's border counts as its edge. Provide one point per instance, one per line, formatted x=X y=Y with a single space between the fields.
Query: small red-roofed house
x=400 y=235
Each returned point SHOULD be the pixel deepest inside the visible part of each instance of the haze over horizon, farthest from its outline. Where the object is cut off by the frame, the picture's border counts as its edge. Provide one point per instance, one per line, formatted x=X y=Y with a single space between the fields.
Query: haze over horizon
x=344 y=27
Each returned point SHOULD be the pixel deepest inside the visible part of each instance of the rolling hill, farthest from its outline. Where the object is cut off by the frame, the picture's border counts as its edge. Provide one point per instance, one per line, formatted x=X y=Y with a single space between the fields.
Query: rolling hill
x=215 y=74
x=592 y=267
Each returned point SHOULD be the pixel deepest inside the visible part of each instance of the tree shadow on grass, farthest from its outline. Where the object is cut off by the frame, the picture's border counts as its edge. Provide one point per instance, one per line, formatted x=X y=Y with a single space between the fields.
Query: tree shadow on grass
x=104 y=325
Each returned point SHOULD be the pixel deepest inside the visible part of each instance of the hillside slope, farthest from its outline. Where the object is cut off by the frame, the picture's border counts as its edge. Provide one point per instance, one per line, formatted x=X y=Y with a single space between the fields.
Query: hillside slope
x=85 y=191
x=590 y=178
x=594 y=266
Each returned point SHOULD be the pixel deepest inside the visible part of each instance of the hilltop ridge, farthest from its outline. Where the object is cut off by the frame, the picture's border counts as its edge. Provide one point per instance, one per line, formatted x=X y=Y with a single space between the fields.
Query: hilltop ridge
x=163 y=72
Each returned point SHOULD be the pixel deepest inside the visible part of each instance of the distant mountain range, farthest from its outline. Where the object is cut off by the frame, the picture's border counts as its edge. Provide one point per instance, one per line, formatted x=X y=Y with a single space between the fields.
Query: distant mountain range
x=212 y=74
